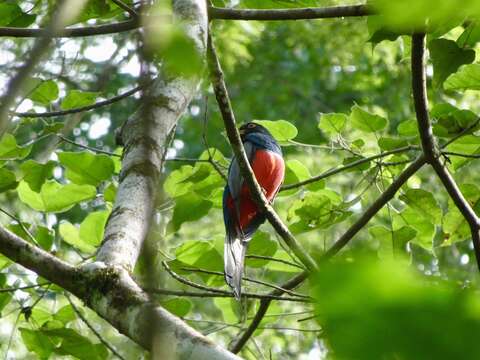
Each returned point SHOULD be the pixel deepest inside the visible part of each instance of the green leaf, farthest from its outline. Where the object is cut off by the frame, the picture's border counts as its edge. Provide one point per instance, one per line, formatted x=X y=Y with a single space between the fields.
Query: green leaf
x=65 y=314
x=178 y=306
x=176 y=183
x=447 y=57
x=423 y=203
x=366 y=306
x=468 y=144
x=72 y=343
x=93 y=227
x=86 y=167
x=366 y=121
x=390 y=143
x=467 y=78
x=77 y=98
x=317 y=210
x=392 y=242
x=200 y=254
x=470 y=36
x=35 y=174
x=9 y=150
x=261 y=244
x=45 y=237
x=296 y=172
x=189 y=207
x=424 y=227
x=12 y=15
x=191 y=251
x=408 y=128
x=378 y=30
x=8 y=180
x=54 y=197
x=45 y=93
x=5 y=299
x=37 y=342
x=281 y=130
x=110 y=193
x=451 y=120
x=90 y=233
x=455 y=227
x=71 y=235
x=332 y=124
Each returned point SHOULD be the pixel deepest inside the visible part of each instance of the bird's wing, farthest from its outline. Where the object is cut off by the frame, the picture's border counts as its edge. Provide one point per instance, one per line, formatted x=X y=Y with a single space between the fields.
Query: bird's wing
x=235 y=178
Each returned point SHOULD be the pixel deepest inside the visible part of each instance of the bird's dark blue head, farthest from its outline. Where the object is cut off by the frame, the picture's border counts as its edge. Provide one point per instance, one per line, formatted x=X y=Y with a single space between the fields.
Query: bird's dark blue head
x=260 y=136
x=250 y=128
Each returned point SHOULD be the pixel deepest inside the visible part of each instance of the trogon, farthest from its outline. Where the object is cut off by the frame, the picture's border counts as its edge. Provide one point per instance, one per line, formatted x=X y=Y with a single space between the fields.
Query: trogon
x=240 y=213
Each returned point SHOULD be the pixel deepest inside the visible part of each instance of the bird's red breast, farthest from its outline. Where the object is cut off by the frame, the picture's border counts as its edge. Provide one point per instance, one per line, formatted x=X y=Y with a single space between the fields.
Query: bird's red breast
x=269 y=170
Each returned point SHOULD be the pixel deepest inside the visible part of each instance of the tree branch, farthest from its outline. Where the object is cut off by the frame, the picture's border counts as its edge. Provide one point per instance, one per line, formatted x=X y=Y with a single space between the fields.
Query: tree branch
x=97 y=105
x=221 y=94
x=419 y=89
x=73 y=32
x=146 y=136
x=335 y=171
x=290 y=14
x=113 y=295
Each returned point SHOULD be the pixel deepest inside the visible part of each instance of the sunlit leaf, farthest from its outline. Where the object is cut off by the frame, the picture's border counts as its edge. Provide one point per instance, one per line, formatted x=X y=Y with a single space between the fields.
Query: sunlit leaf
x=35 y=174
x=10 y=150
x=45 y=93
x=281 y=130
x=366 y=121
x=261 y=244
x=8 y=180
x=467 y=78
x=77 y=98
x=332 y=124
x=54 y=197
x=178 y=306
x=86 y=167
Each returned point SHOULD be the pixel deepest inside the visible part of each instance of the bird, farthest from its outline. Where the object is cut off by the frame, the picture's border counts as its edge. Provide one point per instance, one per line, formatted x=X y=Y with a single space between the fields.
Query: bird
x=241 y=215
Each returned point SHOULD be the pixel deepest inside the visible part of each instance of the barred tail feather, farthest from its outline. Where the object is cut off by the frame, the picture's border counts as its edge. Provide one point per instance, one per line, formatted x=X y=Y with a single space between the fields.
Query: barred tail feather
x=234 y=256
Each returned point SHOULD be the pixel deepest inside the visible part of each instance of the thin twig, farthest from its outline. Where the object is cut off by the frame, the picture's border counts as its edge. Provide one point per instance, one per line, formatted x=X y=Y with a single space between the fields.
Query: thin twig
x=335 y=171
x=23 y=227
x=97 y=105
x=94 y=331
x=12 y=289
x=227 y=293
x=470 y=156
x=218 y=273
x=269 y=258
x=462 y=133
x=96 y=150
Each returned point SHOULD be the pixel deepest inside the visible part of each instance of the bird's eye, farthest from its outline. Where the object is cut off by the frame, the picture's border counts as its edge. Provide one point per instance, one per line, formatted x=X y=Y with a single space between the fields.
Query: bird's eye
x=251 y=125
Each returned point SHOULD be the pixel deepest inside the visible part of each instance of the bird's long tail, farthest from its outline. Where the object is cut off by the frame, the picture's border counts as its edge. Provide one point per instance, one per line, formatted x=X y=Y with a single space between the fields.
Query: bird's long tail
x=234 y=256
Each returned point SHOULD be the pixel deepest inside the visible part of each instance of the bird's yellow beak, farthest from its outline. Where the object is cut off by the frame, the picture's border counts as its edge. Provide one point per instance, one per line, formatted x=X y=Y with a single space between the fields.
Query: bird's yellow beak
x=242 y=132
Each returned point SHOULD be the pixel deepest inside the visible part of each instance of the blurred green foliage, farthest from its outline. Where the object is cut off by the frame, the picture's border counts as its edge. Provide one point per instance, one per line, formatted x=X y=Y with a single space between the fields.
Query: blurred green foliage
x=332 y=92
